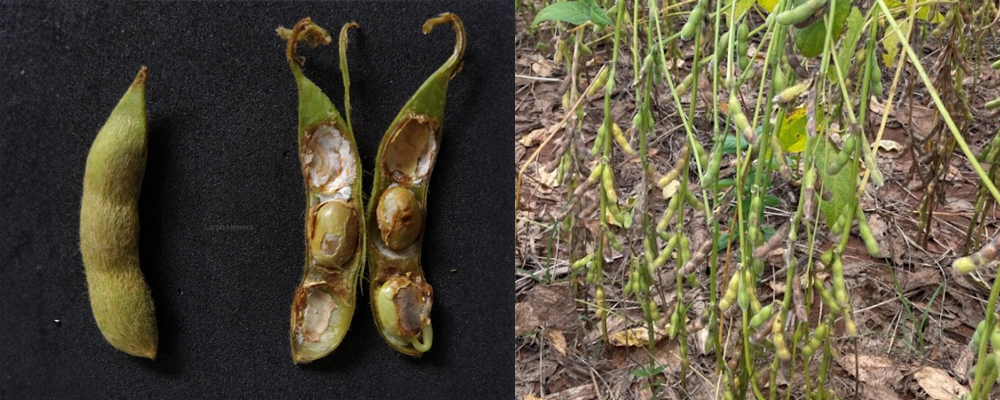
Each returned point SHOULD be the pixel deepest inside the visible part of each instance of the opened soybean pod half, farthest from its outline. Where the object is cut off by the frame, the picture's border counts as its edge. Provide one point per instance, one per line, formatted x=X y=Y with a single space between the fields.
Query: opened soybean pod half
x=331 y=169
x=400 y=295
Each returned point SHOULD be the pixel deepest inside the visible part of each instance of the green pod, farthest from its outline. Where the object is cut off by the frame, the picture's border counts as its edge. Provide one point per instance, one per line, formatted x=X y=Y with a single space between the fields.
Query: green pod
x=816 y=340
x=977 y=336
x=740 y=120
x=685 y=84
x=993 y=104
x=778 y=81
x=762 y=316
x=743 y=294
x=742 y=59
x=109 y=227
x=800 y=13
x=876 y=79
x=850 y=144
x=324 y=302
x=866 y=233
x=827 y=298
x=602 y=135
x=693 y=22
x=599 y=81
x=581 y=262
x=839 y=285
x=721 y=48
x=401 y=297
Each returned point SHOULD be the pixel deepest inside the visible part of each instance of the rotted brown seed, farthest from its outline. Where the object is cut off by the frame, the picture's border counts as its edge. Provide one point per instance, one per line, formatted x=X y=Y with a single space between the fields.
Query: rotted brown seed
x=334 y=234
x=403 y=308
x=400 y=218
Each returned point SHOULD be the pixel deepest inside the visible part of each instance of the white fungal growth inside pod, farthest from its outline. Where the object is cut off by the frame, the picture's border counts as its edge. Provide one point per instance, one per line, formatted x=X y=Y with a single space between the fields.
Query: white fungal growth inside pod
x=410 y=153
x=328 y=162
x=316 y=317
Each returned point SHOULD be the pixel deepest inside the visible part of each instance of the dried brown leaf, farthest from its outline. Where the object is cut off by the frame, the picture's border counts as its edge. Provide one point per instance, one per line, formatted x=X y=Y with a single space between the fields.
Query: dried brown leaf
x=558 y=341
x=873 y=370
x=534 y=137
x=938 y=385
x=550 y=306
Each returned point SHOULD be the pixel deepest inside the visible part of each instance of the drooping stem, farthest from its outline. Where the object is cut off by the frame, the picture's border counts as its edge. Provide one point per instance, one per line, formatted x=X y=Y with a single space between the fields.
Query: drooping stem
x=344 y=74
x=305 y=30
x=454 y=63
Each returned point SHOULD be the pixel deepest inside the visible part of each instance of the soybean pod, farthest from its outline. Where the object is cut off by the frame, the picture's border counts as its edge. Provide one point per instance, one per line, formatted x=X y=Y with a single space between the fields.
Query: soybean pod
x=846 y=152
x=331 y=169
x=800 y=13
x=401 y=297
x=694 y=21
x=976 y=260
x=109 y=227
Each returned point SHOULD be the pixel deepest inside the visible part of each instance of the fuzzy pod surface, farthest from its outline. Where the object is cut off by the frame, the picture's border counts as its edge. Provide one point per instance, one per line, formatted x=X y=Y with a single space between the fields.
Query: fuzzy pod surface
x=109 y=227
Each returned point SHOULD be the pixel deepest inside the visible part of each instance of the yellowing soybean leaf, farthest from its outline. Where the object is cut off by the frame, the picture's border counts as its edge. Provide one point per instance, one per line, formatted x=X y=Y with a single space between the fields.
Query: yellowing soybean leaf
x=793 y=131
x=768 y=5
x=742 y=6
x=635 y=337
x=842 y=184
x=671 y=189
x=891 y=42
x=923 y=12
x=810 y=40
x=573 y=12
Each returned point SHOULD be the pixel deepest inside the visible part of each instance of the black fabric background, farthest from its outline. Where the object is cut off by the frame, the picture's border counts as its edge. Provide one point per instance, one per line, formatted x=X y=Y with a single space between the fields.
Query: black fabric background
x=222 y=202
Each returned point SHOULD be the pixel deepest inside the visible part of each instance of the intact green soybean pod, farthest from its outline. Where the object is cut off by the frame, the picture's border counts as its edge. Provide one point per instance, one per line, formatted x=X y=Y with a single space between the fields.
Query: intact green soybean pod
x=109 y=227
x=325 y=299
x=993 y=104
x=839 y=285
x=850 y=144
x=977 y=336
x=866 y=233
x=401 y=297
x=742 y=47
x=800 y=13
x=762 y=316
x=693 y=22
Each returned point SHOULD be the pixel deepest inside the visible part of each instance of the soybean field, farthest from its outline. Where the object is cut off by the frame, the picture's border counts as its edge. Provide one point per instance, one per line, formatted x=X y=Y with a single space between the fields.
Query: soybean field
x=756 y=199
